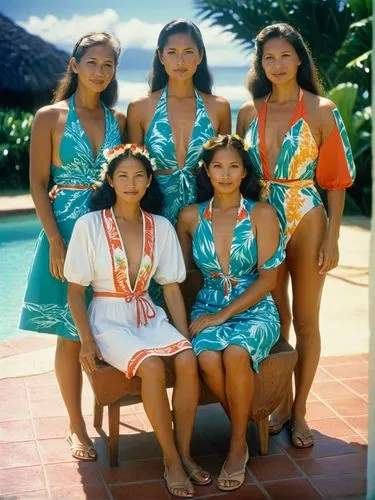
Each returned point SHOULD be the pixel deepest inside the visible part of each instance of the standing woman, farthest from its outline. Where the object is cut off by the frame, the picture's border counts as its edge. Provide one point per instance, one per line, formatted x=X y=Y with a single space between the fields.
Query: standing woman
x=67 y=144
x=297 y=136
x=179 y=114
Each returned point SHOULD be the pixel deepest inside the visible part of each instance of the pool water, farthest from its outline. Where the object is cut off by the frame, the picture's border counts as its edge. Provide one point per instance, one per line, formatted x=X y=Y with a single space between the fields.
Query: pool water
x=18 y=235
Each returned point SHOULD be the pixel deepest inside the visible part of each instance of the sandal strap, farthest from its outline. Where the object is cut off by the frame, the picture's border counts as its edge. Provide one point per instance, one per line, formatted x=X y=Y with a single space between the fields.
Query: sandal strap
x=177 y=484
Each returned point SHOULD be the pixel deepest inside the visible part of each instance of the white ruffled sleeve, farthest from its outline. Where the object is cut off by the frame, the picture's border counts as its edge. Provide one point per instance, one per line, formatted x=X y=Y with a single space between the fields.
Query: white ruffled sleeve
x=171 y=265
x=79 y=261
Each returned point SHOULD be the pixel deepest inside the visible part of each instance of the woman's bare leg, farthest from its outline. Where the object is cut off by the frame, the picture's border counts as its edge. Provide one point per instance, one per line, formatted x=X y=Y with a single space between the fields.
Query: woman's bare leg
x=156 y=404
x=281 y=298
x=69 y=376
x=307 y=285
x=185 y=401
x=212 y=369
x=239 y=385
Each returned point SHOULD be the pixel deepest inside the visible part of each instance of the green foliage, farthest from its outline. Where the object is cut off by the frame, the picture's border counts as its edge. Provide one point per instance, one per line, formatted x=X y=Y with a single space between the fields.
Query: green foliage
x=358 y=126
x=15 y=131
x=323 y=23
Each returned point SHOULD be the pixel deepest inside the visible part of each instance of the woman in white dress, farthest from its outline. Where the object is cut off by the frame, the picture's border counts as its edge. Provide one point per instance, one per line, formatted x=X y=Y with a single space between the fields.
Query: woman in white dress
x=117 y=249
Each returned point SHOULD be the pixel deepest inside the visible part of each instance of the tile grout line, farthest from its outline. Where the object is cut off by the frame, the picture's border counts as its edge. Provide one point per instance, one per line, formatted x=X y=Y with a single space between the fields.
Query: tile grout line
x=304 y=475
x=36 y=440
x=258 y=484
x=342 y=382
x=321 y=400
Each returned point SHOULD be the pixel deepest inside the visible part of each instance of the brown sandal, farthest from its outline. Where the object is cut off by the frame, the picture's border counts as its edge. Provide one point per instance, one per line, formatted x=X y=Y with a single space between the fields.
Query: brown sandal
x=80 y=451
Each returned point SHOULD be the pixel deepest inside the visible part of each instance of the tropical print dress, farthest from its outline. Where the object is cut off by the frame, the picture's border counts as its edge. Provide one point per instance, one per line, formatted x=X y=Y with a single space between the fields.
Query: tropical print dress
x=291 y=189
x=45 y=307
x=178 y=184
x=258 y=328
x=127 y=326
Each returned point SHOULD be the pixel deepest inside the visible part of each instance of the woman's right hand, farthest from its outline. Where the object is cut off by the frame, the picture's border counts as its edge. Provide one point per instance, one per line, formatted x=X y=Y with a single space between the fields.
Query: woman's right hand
x=88 y=354
x=57 y=253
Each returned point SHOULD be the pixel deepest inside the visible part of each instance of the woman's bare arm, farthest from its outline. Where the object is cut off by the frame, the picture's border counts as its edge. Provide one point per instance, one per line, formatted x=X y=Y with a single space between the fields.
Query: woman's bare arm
x=176 y=307
x=40 y=163
x=267 y=234
x=77 y=305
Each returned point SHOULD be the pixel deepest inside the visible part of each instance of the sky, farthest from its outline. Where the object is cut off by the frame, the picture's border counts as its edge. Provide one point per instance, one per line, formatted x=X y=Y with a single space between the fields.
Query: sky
x=136 y=23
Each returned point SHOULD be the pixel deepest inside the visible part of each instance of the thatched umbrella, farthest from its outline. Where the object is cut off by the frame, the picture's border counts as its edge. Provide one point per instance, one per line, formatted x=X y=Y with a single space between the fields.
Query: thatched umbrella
x=29 y=67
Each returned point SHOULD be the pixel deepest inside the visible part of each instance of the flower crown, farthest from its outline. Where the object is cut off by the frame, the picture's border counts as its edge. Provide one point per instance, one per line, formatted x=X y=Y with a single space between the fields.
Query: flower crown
x=208 y=144
x=111 y=154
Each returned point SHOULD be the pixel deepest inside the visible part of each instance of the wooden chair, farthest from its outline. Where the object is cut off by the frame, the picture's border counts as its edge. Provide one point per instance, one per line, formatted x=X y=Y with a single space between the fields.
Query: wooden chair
x=112 y=389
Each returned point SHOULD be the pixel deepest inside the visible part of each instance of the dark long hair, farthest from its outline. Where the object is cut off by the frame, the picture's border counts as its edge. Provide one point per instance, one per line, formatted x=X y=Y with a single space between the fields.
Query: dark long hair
x=202 y=78
x=250 y=187
x=69 y=82
x=307 y=75
x=105 y=196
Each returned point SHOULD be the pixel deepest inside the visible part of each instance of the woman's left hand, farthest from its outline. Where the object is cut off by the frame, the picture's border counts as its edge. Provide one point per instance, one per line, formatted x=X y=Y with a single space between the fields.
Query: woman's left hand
x=205 y=321
x=328 y=254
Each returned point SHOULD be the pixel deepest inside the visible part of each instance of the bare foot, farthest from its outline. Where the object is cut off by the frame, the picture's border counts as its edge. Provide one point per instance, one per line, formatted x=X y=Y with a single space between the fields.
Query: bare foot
x=178 y=483
x=81 y=446
x=280 y=416
x=232 y=475
x=195 y=473
x=301 y=434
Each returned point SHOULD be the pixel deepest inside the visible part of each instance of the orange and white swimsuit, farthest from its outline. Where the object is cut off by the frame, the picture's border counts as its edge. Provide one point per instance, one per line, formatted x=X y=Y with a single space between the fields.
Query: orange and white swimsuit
x=291 y=189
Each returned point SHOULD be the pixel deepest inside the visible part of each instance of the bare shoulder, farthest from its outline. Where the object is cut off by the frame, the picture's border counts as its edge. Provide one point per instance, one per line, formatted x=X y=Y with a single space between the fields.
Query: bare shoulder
x=50 y=114
x=121 y=119
x=144 y=101
x=215 y=101
x=143 y=104
x=321 y=105
x=189 y=215
x=264 y=213
x=248 y=111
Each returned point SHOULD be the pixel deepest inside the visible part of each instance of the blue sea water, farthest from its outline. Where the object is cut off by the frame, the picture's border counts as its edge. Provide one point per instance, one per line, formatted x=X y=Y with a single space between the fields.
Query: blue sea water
x=229 y=82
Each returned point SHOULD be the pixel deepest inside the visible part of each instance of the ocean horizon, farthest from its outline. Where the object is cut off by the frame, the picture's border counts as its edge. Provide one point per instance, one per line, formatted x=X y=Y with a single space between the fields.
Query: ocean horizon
x=229 y=82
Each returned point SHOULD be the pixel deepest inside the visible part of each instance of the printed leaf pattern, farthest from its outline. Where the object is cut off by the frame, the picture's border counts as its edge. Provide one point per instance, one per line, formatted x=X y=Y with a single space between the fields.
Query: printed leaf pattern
x=179 y=188
x=45 y=306
x=256 y=329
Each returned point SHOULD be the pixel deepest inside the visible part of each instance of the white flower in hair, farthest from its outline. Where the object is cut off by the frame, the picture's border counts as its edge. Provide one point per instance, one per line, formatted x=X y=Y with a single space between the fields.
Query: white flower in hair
x=111 y=154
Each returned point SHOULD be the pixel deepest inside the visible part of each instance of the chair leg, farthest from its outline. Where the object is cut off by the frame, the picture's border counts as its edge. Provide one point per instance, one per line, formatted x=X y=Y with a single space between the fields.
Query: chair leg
x=98 y=415
x=263 y=436
x=114 y=432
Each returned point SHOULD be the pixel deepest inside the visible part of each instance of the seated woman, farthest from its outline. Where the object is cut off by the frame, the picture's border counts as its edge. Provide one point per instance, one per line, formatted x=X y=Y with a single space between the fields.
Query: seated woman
x=237 y=246
x=117 y=249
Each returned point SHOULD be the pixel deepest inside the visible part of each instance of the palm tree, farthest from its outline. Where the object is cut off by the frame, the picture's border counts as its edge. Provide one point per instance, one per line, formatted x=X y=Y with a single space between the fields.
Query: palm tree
x=324 y=24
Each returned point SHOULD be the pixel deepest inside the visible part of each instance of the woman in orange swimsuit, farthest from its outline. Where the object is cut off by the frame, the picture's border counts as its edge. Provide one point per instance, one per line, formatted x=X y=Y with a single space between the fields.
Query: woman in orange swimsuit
x=295 y=137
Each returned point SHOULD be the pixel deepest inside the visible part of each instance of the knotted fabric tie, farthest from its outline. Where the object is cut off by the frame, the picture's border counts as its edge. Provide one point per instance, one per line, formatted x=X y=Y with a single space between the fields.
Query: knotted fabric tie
x=145 y=310
x=228 y=280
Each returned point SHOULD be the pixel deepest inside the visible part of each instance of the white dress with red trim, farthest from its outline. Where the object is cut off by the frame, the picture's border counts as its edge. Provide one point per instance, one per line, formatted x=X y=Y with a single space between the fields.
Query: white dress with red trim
x=128 y=327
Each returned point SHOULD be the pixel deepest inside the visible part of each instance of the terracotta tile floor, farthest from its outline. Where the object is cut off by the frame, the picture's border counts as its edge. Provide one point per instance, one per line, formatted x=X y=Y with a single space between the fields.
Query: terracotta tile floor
x=35 y=462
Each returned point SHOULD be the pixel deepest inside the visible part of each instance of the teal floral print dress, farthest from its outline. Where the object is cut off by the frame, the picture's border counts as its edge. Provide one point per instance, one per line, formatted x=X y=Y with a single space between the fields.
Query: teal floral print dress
x=258 y=328
x=45 y=308
x=178 y=184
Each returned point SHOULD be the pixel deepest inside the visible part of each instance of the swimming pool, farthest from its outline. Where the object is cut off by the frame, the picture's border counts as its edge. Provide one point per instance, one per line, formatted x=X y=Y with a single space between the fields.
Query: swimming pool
x=18 y=234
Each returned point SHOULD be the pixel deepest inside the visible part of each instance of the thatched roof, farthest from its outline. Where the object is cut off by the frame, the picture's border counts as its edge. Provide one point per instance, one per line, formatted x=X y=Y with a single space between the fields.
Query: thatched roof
x=27 y=63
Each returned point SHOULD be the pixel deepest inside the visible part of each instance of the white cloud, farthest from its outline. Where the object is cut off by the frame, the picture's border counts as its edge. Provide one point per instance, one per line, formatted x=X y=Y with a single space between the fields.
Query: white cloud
x=221 y=49
x=66 y=32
